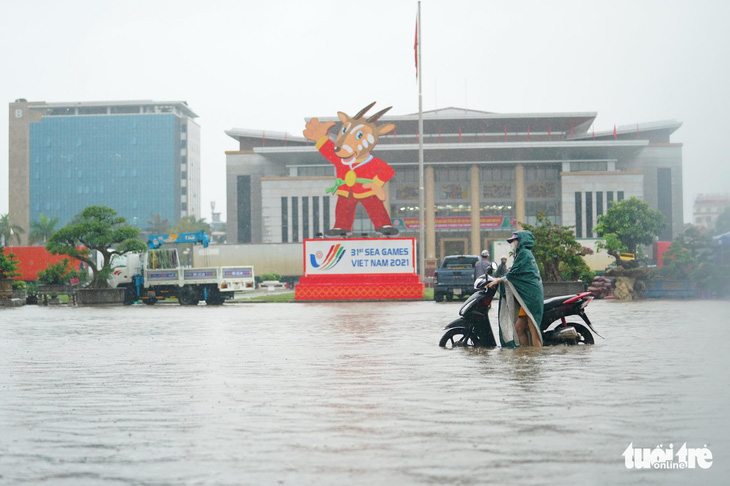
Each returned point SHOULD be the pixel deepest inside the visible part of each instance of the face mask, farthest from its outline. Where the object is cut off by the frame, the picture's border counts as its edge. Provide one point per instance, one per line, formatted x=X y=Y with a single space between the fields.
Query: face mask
x=513 y=245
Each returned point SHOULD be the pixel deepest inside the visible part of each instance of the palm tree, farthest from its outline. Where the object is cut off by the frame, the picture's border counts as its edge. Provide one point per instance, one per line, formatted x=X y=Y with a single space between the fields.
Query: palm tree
x=42 y=229
x=7 y=230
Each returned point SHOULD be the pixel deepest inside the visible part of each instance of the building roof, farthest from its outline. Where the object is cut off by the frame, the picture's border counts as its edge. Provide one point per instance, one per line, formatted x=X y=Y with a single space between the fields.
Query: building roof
x=180 y=105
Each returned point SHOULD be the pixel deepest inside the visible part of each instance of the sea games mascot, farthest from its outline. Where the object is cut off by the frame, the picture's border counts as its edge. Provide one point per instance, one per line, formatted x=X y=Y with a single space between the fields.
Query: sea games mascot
x=360 y=175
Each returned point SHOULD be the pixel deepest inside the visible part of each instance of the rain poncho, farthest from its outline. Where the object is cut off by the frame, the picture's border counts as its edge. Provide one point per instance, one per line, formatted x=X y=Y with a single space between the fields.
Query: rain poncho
x=522 y=287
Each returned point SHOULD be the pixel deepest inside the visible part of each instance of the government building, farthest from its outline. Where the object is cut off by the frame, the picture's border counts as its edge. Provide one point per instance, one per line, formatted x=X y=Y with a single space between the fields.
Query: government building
x=137 y=157
x=484 y=174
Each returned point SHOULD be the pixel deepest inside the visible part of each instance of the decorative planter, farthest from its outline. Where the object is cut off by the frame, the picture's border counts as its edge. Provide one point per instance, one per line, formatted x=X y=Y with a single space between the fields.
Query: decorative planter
x=554 y=289
x=6 y=288
x=89 y=296
x=19 y=294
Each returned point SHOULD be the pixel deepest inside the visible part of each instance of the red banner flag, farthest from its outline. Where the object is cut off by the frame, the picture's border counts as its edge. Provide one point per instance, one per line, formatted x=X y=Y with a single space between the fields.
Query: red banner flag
x=614 y=131
x=571 y=130
x=505 y=133
x=549 y=131
x=528 y=132
x=415 y=47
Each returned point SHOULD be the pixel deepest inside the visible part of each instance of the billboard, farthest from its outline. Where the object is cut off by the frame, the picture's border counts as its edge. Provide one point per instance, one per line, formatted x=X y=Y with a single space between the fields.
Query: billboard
x=365 y=256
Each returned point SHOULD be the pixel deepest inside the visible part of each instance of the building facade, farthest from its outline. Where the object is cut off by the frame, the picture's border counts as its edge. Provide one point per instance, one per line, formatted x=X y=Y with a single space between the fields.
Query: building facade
x=137 y=157
x=706 y=209
x=484 y=174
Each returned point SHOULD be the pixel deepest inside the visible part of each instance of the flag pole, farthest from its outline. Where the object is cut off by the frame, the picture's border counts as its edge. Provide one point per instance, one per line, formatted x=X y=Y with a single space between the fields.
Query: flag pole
x=421 y=183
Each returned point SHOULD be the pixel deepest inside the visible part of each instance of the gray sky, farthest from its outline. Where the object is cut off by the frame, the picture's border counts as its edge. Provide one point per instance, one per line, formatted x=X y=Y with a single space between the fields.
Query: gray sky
x=269 y=64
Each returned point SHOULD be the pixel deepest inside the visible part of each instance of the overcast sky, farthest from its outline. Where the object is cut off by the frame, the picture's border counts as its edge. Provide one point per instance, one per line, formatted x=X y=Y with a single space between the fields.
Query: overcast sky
x=269 y=64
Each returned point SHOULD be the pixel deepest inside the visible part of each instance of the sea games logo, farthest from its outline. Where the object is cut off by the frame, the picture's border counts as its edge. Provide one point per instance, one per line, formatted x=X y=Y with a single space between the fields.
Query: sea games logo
x=334 y=255
x=659 y=458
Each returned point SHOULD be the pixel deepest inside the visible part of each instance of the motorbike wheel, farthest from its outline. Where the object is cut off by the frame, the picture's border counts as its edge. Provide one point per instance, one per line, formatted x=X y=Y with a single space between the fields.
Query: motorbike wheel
x=438 y=297
x=454 y=338
x=585 y=337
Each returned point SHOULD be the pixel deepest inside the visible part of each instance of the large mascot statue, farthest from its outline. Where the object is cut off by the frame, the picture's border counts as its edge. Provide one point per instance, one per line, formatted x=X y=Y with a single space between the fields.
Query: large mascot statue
x=360 y=175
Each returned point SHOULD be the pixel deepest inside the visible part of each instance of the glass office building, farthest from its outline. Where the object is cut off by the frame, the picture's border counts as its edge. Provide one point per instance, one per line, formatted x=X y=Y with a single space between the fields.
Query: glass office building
x=139 y=158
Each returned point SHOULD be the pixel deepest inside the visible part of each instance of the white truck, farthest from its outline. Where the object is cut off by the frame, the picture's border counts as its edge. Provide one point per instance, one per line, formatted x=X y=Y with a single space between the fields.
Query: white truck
x=157 y=275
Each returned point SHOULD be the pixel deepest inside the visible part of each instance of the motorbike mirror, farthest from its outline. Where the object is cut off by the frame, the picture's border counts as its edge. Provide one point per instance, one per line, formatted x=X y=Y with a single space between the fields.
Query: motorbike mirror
x=480 y=282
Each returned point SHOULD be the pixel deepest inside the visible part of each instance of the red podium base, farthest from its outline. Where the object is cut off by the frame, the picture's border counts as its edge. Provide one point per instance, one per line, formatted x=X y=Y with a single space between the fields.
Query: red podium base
x=359 y=287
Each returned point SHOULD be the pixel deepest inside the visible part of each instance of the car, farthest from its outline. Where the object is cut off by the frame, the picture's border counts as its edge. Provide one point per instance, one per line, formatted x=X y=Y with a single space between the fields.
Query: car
x=455 y=277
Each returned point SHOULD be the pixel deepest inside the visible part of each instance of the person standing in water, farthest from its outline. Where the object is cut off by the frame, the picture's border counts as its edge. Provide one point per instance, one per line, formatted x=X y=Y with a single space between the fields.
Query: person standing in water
x=521 y=296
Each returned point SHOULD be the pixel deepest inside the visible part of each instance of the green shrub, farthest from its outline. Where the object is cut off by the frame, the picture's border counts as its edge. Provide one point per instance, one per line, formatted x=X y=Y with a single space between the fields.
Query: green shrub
x=8 y=265
x=270 y=276
x=60 y=273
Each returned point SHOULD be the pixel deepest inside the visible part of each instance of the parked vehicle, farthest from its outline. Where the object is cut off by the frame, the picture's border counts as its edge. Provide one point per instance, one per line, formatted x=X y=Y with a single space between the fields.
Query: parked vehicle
x=454 y=277
x=157 y=275
x=473 y=328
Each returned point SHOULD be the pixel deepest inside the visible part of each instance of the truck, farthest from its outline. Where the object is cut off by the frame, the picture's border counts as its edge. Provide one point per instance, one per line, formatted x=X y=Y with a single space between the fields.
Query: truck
x=158 y=274
x=454 y=277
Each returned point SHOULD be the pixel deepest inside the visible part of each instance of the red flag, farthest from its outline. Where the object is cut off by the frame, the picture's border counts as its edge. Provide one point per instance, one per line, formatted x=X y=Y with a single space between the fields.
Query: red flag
x=505 y=133
x=528 y=132
x=459 y=134
x=571 y=130
x=548 y=131
x=614 y=131
x=415 y=47
x=594 y=133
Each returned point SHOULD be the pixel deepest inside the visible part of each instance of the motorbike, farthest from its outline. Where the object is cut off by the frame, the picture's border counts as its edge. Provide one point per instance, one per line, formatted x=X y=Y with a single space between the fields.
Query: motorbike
x=473 y=329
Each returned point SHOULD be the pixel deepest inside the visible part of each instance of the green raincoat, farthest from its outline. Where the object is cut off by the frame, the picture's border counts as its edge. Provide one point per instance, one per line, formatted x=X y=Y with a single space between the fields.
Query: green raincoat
x=522 y=287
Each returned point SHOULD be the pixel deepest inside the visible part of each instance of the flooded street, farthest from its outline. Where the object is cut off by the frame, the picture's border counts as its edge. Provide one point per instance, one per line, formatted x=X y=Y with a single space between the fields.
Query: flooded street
x=353 y=393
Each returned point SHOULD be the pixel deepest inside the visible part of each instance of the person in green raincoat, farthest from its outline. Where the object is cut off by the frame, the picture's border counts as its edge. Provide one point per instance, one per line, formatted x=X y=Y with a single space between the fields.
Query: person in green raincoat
x=520 y=296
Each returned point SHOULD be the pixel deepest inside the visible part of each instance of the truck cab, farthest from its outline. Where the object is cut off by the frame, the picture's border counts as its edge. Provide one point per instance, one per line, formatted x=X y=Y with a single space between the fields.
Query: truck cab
x=455 y=277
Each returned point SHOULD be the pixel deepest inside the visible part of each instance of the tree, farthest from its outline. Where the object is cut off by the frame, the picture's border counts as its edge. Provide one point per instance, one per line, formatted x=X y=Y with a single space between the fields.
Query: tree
x=96 y=228
x=42 y=229
x=722 y=224
x=189 y=224
x=8 y=230
x=8 y=264
x=558 y=254
x=628 y=224
x=157 y=225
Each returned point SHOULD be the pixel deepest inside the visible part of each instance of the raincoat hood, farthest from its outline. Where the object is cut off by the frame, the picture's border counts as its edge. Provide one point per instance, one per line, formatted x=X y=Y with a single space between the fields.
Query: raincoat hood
x=525 y=239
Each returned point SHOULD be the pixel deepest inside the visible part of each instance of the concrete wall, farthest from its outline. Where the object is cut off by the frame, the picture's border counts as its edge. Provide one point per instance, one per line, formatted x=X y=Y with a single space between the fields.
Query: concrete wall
x=19 y=120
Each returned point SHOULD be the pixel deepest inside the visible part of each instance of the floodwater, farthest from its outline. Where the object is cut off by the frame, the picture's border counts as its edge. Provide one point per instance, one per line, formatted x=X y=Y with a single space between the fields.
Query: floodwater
x=353 y=393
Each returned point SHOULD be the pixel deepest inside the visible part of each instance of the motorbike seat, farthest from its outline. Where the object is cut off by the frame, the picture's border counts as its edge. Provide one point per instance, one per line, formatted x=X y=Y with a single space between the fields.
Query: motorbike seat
x=555 y=302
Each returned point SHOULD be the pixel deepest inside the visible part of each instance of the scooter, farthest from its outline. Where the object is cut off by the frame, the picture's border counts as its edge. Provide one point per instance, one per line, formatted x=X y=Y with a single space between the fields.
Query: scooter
x=473 y=328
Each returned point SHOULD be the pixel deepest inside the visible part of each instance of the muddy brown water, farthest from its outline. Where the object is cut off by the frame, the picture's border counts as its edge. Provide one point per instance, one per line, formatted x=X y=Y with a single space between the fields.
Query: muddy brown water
x=353 y=393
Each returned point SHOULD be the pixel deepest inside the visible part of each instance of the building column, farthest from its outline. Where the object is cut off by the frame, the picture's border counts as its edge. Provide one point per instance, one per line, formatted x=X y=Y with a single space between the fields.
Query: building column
x=519 y=195
x=476 y=229
x=430 y=214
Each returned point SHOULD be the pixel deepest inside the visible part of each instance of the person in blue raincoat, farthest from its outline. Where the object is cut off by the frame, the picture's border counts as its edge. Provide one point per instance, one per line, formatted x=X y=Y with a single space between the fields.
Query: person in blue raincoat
x=521 y=296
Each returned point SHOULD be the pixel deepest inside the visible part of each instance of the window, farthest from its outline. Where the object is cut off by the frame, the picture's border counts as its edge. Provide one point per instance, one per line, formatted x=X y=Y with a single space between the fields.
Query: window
x=284 y=220
x=589 y=214
x=620 y=195
x=578 y=215
x=305 y=217
x=295 y=219
x=315 y=215
x=325 y=213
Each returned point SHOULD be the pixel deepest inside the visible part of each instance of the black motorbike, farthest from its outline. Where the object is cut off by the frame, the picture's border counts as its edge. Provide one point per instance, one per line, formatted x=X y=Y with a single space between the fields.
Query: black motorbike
x=474 y=329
